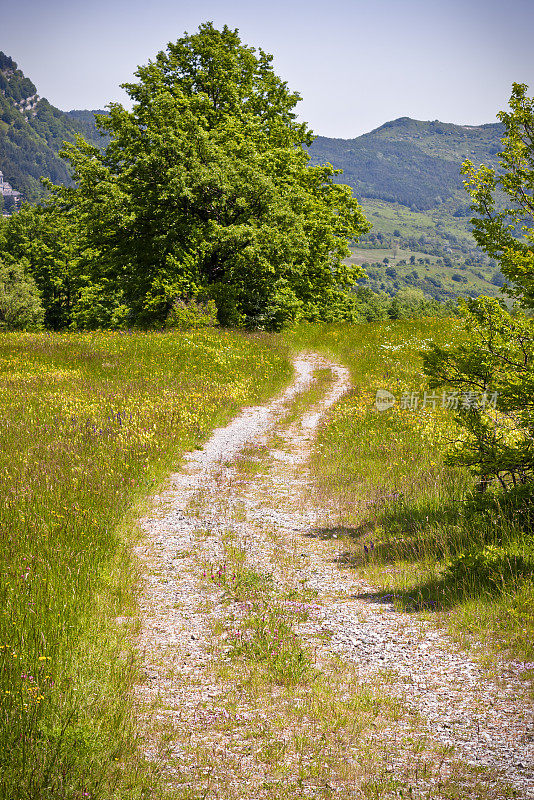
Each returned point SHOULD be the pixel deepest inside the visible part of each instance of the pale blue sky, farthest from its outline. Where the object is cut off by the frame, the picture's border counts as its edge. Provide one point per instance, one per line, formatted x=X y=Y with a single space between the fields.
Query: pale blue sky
x=356 y=64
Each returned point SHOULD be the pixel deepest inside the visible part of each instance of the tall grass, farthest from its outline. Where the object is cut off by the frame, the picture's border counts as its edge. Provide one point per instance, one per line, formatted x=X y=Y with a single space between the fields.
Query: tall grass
x=88 y=424
x=416 y=527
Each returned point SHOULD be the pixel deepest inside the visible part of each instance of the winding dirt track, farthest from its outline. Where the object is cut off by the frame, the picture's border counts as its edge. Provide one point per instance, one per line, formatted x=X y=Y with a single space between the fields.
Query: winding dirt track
x=488 y=723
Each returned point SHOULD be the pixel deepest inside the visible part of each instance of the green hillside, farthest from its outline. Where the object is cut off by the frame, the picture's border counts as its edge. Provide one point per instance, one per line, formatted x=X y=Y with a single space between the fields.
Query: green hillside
x=411 y=162
x=407 y=174
x=32 y=132
x=432 y=251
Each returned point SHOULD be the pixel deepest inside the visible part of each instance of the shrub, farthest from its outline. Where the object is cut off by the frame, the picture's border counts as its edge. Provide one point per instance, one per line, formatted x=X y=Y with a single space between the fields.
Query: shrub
x=187 y=314
x=20 y=302
x=492 y=567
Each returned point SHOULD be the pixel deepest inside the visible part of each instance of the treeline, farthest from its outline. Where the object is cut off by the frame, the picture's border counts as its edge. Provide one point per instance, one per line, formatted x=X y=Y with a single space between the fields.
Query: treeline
x=47 y=279
x=407 y=303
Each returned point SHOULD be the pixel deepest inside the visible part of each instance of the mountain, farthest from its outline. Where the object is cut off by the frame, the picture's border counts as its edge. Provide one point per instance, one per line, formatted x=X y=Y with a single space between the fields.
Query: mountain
x=32 y=132
x=407 y=173
x=411 y=162
x=404 y=161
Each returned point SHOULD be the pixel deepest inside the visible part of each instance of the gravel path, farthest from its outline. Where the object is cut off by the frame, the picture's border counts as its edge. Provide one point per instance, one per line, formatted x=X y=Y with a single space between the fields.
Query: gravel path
x=488 y=722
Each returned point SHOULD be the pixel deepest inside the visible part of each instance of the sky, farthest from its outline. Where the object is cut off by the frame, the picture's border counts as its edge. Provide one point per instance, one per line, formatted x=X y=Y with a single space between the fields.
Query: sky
x=356 y=63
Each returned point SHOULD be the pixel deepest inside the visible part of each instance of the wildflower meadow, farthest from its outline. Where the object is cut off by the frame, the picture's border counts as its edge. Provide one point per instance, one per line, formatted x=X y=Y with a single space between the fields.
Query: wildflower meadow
x=90 y=423
x=423 y=531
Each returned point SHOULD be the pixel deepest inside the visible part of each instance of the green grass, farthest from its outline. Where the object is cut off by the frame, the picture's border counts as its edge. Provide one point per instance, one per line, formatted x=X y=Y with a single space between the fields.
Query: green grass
x=89 y=424
x=406 y=516
x=264 y=634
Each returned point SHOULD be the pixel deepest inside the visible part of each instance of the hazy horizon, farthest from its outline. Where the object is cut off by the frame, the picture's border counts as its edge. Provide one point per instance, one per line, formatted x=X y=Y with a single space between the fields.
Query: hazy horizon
x=356 y=65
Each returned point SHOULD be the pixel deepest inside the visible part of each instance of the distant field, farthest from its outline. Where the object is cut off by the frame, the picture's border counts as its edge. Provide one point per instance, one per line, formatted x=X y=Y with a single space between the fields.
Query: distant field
x=365 y=255
x=447 y=265
x=390 y=216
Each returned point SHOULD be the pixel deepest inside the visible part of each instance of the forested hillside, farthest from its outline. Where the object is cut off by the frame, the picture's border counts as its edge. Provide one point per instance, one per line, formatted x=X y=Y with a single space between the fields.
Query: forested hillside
x=407 y=174
x=411 y=162
x=32 y=132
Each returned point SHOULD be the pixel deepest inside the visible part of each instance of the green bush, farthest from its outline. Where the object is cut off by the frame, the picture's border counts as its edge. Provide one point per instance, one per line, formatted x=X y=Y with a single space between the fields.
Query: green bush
x=493 y=567
x=20 y=302
x=188 y=314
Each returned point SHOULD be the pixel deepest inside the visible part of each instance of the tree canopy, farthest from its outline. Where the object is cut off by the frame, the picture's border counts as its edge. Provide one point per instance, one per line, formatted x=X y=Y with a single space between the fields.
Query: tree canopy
x=504 y=202
x=205 y=191
x=20 y=304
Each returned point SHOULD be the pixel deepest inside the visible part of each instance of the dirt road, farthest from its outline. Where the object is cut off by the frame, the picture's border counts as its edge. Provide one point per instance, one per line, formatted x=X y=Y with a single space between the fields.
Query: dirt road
x=249 y=492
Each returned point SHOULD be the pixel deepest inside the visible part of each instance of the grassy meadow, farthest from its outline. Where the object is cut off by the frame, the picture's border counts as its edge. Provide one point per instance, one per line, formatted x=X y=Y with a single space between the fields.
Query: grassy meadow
x=415 y=527
x=388 y=217
x=89 y=424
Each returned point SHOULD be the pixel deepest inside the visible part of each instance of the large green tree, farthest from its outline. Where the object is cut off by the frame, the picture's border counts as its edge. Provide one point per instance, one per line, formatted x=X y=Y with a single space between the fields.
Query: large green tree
x=206 y=189
x=496 y=359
